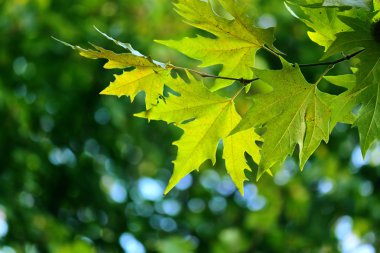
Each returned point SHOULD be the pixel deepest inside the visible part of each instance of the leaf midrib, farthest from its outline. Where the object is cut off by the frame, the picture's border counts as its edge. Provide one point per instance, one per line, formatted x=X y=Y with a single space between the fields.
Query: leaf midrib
x=205 y=133
x=295 y=114
x=374 y=112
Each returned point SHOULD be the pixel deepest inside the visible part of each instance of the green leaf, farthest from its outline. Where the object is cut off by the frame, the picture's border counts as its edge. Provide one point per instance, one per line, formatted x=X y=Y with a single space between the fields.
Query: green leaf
x=360 y=37
x=294 y=113
x=343 y=104
x=347 y=81
x=368 y=121
x=206 y=118
x=376 y=5
x=237 y=39
x=365 y=92
x=323 y=21
x=368 y=117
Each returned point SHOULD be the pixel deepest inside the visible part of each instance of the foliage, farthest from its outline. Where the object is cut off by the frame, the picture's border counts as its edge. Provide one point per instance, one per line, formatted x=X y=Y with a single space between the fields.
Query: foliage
x=294 y=114
x=78 y=174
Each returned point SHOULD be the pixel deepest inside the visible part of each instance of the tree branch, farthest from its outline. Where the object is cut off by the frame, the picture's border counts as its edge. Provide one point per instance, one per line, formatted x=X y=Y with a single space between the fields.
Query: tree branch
x=206 y=75
x=248 y=81
x=345 y=58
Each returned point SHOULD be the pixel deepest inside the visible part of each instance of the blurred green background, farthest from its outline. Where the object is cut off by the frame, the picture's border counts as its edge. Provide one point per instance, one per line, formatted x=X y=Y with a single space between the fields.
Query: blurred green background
x=79 y=174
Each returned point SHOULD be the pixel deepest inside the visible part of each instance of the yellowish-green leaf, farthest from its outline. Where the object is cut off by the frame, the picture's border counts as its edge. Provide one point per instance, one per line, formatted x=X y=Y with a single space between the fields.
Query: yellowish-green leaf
x=236 y=56
x=212 y=118
x=234 y=148
x=237 y=39
x=199 y=14
x=294 y=113
x=116 y=61
x=194 y=100
x=200 y=140
x=148 y=76
x=151 y=80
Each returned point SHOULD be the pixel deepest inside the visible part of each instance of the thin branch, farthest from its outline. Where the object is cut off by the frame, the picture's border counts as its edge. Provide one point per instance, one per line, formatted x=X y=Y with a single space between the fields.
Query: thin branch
x=244 y=81
x=206 y=75
x=345 y=58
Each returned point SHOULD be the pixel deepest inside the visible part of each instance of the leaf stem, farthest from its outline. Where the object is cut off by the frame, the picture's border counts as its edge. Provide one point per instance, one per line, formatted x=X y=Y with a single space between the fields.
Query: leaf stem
x=330 y=67
x=265 y=47
x=237 y=93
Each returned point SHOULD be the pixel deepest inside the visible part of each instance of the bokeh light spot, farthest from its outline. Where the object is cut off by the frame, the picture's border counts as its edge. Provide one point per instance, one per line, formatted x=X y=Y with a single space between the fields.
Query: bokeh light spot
x=185 y=183
x=130 y=244
x=150 y=189
x=196 y=205
x=20 y=65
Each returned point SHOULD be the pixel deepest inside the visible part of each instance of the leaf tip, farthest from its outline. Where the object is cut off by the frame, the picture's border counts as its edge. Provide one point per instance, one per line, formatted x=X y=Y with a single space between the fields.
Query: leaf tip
x=303 y=162
x=260 y=173
x=241 y=190
x=104 y=92
x=143 y=114
x=63 y=42
x=102 y=33
x=168 y=188
x=97 y=29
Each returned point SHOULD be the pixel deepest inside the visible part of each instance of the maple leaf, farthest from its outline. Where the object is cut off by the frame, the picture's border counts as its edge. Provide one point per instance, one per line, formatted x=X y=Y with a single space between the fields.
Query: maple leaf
x=361 y=37
x=366 y=90
x=212 y=118
x=343 y=104
x=150 y=80
x=323 y=17
x=236 y=56
x=234 y=148
x=294 y=113
x=237 y=39
x=148 y=76
x=323 y=21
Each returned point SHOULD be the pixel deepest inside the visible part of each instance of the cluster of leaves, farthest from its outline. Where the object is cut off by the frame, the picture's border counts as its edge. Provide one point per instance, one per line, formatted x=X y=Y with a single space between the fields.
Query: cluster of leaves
x=294 y=113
